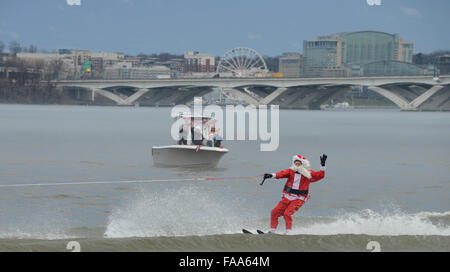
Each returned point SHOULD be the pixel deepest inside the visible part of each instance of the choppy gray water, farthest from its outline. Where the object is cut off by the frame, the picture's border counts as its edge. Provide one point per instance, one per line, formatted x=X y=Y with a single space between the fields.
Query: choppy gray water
x=387 y=180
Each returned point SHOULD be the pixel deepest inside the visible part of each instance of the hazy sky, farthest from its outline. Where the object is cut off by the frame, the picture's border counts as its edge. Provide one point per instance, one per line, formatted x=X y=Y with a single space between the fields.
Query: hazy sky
x=215 y=26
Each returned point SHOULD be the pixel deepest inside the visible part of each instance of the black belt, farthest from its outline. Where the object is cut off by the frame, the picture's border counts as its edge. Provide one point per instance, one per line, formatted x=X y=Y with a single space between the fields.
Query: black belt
x=295 y=192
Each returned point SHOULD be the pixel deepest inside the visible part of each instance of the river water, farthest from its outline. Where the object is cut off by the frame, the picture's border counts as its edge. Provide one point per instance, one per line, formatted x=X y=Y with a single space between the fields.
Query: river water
x=387 y=180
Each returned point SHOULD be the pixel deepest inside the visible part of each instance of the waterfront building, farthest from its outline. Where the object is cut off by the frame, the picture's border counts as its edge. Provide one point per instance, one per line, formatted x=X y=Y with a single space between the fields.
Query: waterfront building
x=290 y=65
x=126 y=71
x=195 y=62
x=176 y=67
x=321 y=56
x=101 y=60
x=405 y=51
x=346 y=53
x=368 y=46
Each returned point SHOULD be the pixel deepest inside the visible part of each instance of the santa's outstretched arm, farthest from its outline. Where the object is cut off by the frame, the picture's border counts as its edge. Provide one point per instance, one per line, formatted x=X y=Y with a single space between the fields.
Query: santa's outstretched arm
x=278 y=175
x=318 y=175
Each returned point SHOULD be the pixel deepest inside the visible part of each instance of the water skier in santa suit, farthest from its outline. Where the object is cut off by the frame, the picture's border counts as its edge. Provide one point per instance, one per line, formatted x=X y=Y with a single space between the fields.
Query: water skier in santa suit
x=296 y=190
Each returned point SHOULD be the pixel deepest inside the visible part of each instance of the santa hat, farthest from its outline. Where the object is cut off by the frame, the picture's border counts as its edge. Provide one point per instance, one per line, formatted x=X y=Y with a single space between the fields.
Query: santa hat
x=302 y=159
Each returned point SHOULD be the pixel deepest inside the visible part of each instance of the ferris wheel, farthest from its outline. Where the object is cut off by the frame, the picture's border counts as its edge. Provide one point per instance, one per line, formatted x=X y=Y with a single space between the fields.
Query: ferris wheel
x=242 y=62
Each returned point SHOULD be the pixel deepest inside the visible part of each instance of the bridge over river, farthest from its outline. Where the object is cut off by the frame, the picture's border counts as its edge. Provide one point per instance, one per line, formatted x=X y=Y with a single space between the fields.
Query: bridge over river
x=409 y=93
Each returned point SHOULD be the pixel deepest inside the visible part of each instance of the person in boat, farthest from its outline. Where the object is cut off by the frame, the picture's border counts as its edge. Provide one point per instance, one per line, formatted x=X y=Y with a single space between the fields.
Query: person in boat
x=214 y=139
x=296 y=190
x=183 y=136
x=196 y=133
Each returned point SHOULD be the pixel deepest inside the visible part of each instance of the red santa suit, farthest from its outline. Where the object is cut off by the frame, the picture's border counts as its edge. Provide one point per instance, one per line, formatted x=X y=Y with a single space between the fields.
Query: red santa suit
x=295 y=192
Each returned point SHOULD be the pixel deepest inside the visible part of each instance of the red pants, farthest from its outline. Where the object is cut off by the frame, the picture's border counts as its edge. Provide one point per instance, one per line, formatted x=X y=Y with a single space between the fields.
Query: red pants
x=285 y=208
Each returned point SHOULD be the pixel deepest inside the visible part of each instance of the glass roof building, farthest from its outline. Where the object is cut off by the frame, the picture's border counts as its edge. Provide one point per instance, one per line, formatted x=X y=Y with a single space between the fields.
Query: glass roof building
x=392 y=67
x=369 y=46
x=347 y=50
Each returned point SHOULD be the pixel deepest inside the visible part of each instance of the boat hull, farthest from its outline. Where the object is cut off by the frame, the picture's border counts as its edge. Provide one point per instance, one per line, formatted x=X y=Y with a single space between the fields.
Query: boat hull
x=186 y=155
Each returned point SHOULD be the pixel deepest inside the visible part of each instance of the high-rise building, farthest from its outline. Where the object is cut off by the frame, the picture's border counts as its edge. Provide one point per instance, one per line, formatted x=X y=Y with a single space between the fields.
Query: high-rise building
x=405 y=51
x=321 y=55
x=290 y=65
x=195 y=62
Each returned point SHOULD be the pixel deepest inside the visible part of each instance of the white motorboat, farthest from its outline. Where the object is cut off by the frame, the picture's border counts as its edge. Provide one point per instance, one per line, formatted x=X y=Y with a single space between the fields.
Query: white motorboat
x=189 y=154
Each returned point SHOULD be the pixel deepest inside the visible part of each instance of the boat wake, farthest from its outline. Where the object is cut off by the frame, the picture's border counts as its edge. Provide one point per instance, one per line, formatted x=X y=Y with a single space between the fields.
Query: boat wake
x=368 y=222
x=189 y=211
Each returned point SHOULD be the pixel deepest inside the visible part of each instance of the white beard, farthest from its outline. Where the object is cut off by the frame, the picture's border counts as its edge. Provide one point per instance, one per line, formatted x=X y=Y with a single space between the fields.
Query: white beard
x=302 y=170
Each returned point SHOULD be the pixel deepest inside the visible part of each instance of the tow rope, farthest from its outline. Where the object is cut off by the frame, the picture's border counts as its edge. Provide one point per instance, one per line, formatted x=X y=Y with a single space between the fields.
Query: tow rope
x=120 y=181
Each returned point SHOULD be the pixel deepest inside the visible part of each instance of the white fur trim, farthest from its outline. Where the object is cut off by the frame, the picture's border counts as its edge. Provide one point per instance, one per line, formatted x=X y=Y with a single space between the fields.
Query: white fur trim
x=302 y=170
x=323 y=168
x=295 y=197
x=274 y=175
x=305 y=162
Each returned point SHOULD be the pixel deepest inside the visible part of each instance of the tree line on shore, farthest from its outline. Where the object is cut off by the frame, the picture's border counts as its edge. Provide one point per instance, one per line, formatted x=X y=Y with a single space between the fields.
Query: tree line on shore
x=27 y=81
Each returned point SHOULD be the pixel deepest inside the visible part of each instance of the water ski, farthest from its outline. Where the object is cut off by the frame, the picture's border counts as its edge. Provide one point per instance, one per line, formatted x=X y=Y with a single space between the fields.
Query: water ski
x=249 y=232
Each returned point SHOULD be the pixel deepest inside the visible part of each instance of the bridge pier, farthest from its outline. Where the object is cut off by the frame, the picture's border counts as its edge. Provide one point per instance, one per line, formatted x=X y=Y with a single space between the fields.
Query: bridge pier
x=92 y=94
x=299 y=98
x=252 y=94
x=88 y=95
x=74 y=94
x=111 y=96
x=398 y=100
x=404 y=91
x=134 y=97
x=416 y=103
x=406 y=105
x=266 y=100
